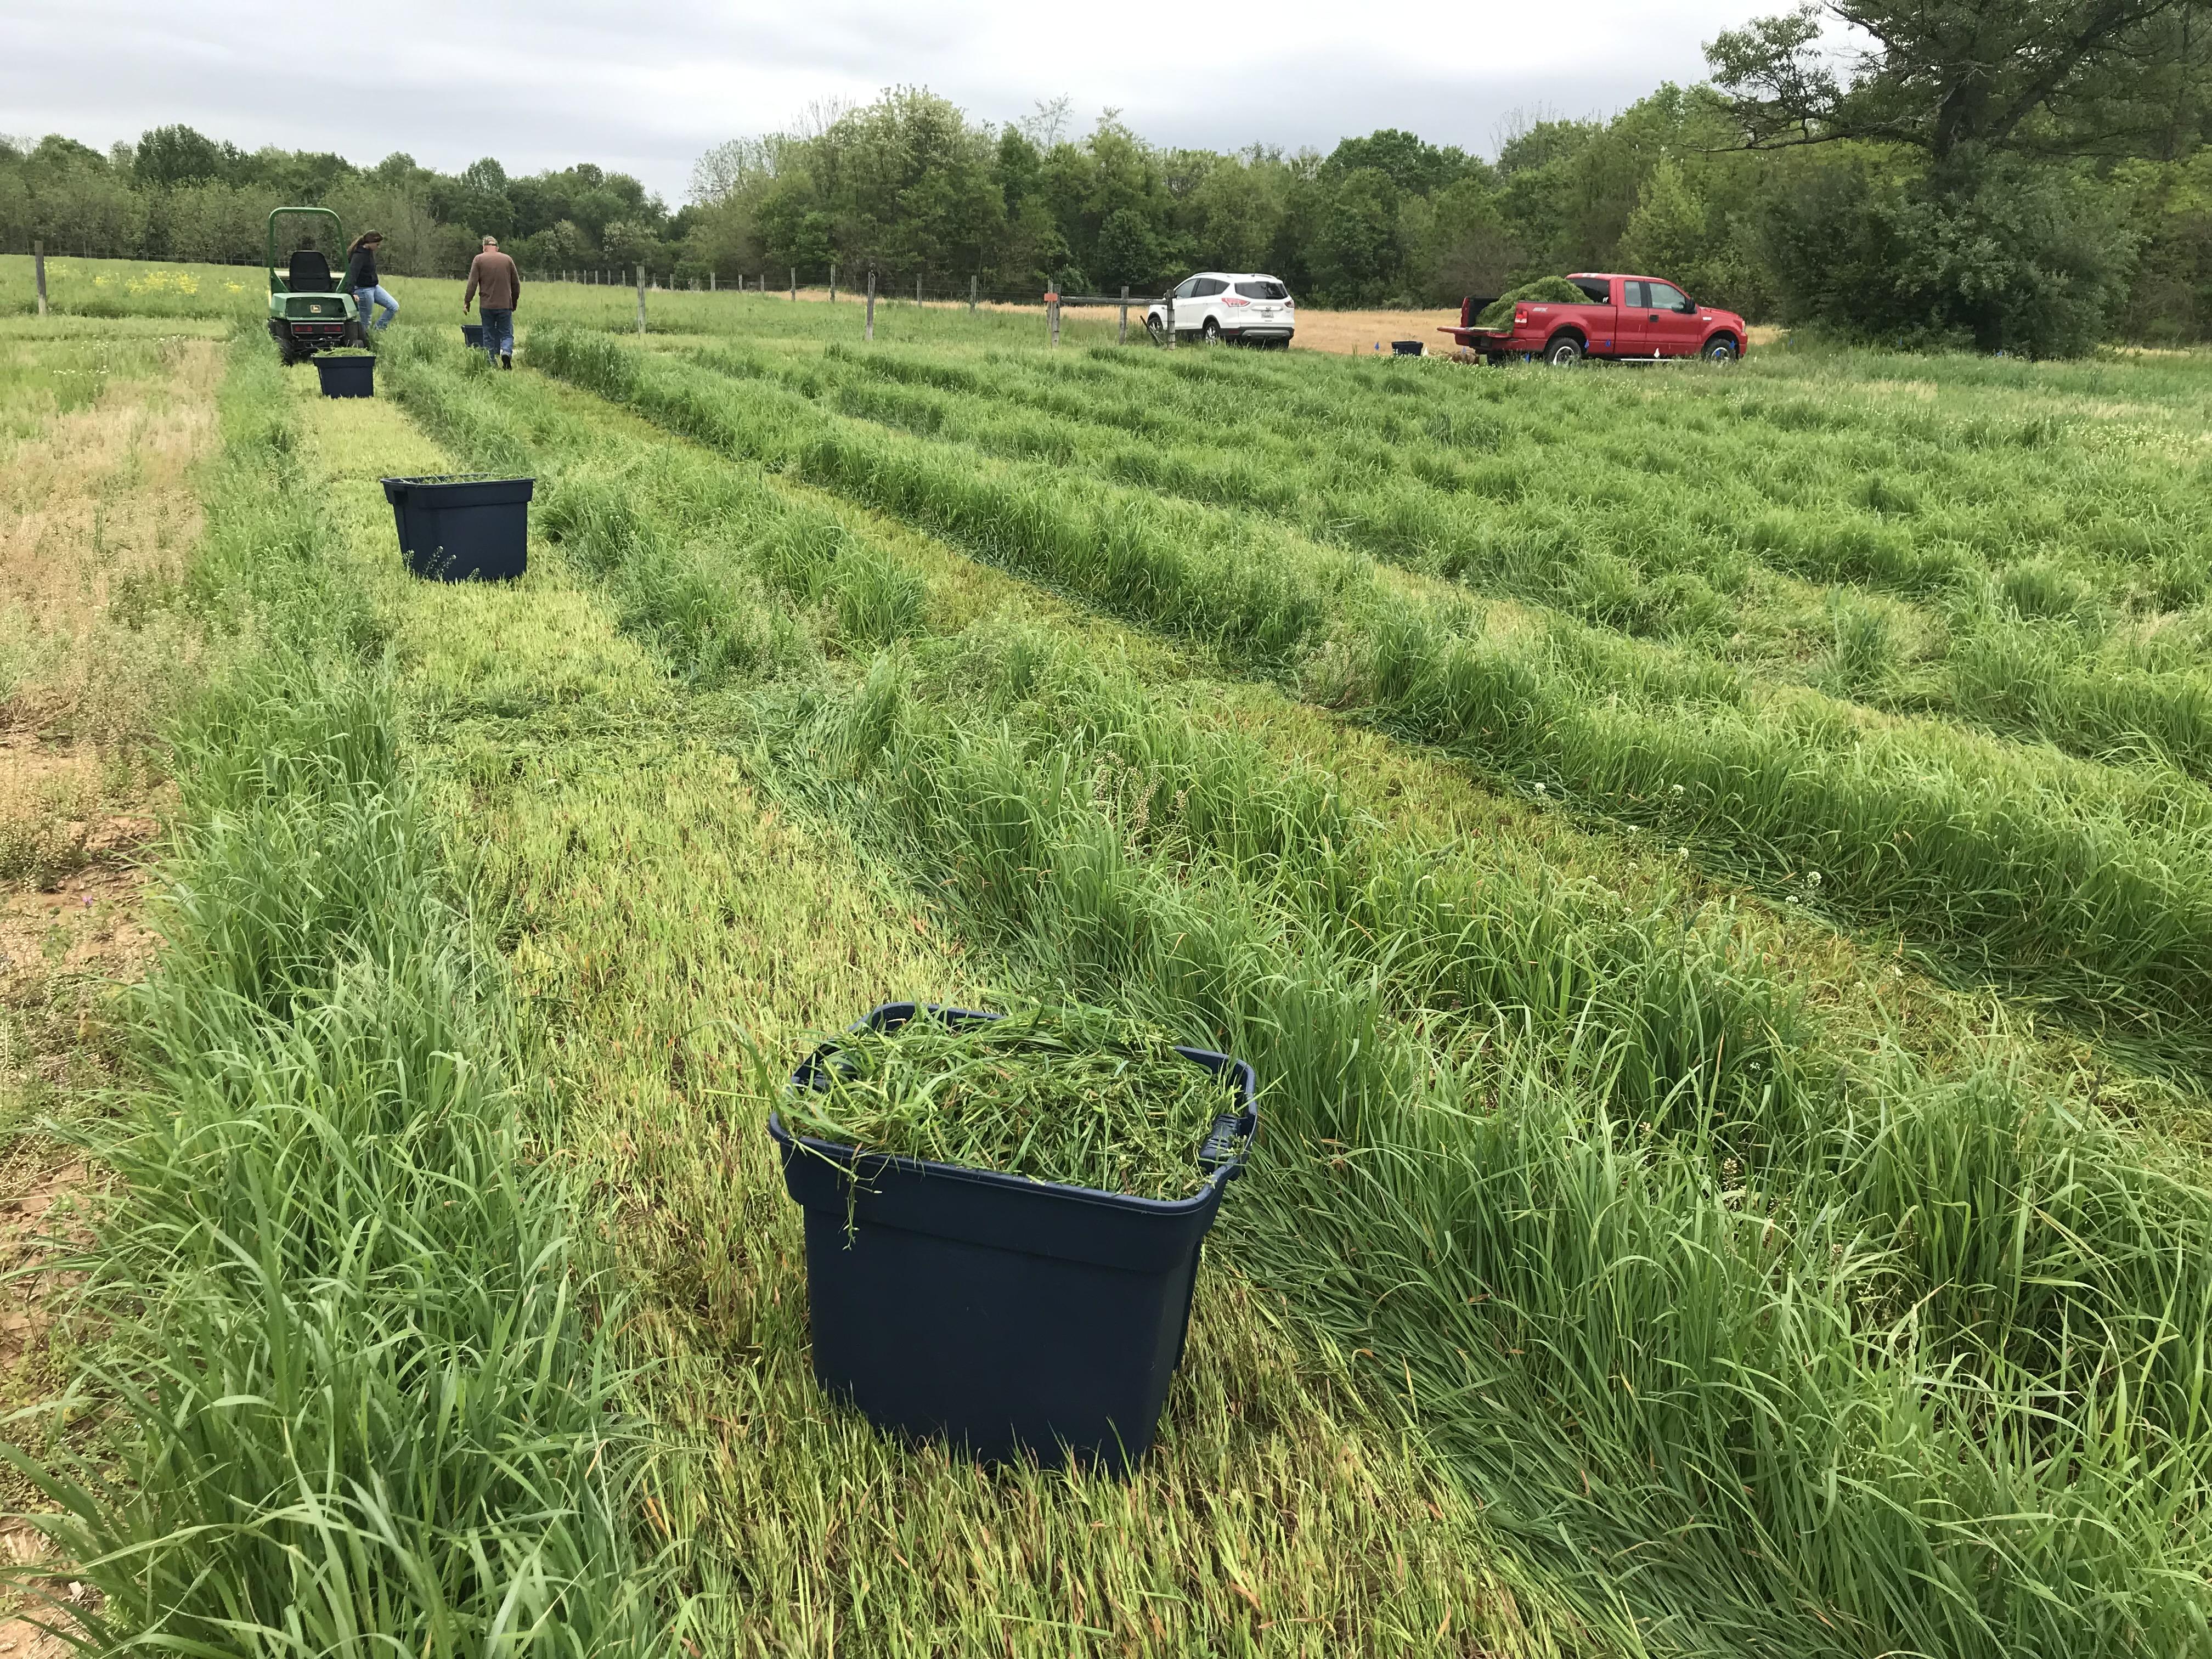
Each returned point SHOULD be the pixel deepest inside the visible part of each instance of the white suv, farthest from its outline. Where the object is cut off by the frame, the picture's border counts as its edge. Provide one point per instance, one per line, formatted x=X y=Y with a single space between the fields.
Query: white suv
x=1248 y=306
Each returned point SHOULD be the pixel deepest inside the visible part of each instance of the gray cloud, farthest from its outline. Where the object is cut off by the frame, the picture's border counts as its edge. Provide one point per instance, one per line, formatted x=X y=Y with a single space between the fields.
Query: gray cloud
x=645 y=87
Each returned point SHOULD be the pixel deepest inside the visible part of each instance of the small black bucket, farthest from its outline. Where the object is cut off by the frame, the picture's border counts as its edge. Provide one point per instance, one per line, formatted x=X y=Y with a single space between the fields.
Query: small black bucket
x=1407 y=348
x=1015 y=1317
x=472 y=336
x=347 y=377
x=469 y=526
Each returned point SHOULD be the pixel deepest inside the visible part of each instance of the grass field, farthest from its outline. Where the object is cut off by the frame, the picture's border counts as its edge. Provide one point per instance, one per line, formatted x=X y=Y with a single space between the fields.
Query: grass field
x=1711 y=867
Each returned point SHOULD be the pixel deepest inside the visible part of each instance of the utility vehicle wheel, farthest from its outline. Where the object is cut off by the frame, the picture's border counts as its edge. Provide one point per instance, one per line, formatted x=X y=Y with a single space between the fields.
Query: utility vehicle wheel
x=1720 y=350
x=1210 y=334
x=1564 y=352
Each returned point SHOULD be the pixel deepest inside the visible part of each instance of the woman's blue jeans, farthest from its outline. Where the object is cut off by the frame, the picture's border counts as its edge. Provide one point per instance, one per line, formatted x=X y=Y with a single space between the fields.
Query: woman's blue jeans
x=366 y=300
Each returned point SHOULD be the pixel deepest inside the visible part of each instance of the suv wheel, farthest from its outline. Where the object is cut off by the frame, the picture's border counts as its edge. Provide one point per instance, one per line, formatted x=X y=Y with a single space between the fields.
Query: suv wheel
x=1564 y=352
x=1158 y=330
x=1211 y=332
x=1721 y=349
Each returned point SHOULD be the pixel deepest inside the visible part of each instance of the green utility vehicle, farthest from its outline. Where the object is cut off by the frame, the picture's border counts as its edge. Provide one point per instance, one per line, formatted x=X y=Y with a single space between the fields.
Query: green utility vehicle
x=309 y=310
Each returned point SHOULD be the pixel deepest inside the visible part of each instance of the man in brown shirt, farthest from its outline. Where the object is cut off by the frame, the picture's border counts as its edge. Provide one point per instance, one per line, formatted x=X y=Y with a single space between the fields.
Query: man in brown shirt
x=494 y=280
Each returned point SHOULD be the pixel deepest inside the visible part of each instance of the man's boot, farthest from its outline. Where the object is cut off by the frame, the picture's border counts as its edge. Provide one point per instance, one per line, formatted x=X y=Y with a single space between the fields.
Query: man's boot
x=507 y=360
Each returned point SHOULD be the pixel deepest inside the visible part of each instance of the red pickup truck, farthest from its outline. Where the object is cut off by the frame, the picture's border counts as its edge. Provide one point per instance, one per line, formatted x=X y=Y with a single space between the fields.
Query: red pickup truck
x=1626 y=317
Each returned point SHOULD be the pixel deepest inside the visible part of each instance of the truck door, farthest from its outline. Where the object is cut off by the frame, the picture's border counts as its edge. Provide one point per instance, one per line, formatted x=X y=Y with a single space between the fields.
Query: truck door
x=1638 y=319
x=1673 y=322
x=1605 y=318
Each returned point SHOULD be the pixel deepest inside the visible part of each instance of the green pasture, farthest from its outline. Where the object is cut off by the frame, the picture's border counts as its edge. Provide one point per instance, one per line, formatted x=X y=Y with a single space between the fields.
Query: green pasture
x=1713 y=868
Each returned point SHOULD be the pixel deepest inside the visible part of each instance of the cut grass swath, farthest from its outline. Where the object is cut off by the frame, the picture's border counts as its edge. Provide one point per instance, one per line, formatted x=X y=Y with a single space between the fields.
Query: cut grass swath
x=1073 y=1096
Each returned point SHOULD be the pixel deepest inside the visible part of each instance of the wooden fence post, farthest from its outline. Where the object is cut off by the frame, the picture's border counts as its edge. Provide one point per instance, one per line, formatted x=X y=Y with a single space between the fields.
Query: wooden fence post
x=794 y=285
x=1170 y=320
x=833 y=282
x=640 y=302
x=869 y=333
x=917 y=292
x=1052 y=316
x=39 y=269
x=1125 y=315
x=971 y=295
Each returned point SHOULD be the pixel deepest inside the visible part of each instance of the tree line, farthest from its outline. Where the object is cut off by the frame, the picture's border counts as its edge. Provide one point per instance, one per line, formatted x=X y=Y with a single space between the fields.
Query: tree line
x=1971 y=172
x=177 y=194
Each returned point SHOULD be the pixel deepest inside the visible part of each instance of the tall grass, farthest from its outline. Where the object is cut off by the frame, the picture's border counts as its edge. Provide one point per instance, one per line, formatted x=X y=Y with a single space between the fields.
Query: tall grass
x=2081 y=883
x=356 y=1398
x=1652 y=554
x=1757 y=1343
x=1279 y=1513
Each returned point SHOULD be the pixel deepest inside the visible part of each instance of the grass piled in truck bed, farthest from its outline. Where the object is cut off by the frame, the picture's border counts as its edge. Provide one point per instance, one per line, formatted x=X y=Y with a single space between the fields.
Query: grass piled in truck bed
x=1078 y=1097
x=1544 y=291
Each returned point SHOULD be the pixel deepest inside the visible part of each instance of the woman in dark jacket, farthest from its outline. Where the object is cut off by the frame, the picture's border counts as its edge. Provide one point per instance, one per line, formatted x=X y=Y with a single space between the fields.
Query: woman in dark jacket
x=361 y=281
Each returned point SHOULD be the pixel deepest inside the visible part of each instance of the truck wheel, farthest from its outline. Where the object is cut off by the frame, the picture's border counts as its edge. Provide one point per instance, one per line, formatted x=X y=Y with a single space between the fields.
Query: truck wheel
x=1721 y=349
x=1564 y=352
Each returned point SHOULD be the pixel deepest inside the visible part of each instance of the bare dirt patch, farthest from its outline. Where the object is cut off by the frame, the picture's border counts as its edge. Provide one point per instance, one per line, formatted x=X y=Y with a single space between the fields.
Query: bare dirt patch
x=21 y=1640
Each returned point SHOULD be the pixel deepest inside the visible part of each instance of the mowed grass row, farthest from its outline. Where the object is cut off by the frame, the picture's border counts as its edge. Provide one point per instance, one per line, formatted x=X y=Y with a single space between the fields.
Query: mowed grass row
x=1547 y=878
x=677 y=938
x=1619 y=1329
x=2072 y=881
x=2031 y=650
x=354 y=1394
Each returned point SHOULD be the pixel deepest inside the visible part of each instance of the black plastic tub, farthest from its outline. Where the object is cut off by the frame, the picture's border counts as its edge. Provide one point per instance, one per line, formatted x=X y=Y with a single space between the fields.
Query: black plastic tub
x=1408 y=348
x=469 y=526
x=1016 y=1318
x=347 y=377
x=472 y=336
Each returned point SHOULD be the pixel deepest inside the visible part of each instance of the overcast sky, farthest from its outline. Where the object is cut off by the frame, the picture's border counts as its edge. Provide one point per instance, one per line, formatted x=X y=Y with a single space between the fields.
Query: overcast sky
x=646 y=86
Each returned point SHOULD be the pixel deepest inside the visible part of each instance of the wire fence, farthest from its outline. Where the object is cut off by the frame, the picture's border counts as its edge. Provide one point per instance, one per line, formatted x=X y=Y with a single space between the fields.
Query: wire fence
x=873 y=289
x=845 y=281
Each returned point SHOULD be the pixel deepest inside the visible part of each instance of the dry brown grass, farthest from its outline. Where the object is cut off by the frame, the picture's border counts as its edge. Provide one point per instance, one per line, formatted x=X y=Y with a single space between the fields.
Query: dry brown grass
x=97 y=511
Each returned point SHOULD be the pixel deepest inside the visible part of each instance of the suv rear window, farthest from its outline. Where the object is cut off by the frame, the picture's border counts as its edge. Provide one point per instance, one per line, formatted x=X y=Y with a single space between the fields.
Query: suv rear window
x=1263 y=291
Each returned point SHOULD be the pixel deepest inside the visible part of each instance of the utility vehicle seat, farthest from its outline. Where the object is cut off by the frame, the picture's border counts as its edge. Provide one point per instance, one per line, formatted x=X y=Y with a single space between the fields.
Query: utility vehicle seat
x=309 y=272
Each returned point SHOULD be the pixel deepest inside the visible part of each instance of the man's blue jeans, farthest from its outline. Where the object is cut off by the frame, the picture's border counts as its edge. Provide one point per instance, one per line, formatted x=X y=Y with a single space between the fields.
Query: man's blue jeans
x=498 y=333
x=366 y=300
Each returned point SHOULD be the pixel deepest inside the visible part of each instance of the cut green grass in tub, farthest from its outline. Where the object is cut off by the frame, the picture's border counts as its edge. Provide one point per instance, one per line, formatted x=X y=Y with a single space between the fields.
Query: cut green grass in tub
x=1076 y=1096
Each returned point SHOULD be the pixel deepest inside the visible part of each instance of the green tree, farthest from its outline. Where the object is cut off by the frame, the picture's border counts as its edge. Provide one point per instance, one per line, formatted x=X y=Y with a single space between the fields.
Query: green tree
x=2034 y=259
x=168 y=157
x=1965 y=78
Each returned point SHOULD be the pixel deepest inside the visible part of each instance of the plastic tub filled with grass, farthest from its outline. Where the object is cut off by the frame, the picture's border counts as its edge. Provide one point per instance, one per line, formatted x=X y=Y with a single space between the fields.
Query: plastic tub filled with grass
x=1004 y=1217
x=348 y=373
